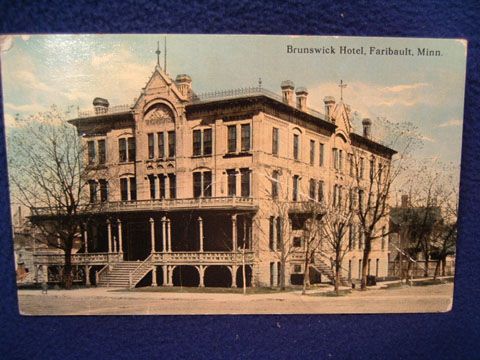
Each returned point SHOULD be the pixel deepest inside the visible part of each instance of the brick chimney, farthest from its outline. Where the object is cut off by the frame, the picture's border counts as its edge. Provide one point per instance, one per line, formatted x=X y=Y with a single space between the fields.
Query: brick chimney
x=302 y=94
x=367 y=128
x=329 y=102
x=287 y=91
x=184 y=84
x=100 y=105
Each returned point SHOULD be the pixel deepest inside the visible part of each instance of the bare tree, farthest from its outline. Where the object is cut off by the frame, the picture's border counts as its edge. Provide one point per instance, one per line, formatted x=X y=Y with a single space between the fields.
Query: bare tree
x=48 y=175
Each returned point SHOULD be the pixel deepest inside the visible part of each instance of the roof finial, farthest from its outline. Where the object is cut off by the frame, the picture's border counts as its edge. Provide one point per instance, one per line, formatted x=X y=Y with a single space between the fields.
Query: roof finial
x=158 y=53
x=342 y=86
x=165 y=54
x=260 y=82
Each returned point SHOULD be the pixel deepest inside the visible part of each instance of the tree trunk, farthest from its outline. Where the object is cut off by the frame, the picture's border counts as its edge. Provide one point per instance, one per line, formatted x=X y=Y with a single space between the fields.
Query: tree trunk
x=366 y=254
x=337 y=278
x=67 y=269
x=436 y=270
x=444 y=265
x=425 y=272
x=282 y=275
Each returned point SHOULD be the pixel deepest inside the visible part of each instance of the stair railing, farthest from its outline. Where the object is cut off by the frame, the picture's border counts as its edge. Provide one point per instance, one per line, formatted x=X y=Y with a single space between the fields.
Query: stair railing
x=100 y=274
x=138 y=270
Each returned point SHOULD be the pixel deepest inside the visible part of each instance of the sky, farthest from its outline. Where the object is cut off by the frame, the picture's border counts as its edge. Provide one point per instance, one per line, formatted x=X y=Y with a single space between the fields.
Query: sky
x=70 y=70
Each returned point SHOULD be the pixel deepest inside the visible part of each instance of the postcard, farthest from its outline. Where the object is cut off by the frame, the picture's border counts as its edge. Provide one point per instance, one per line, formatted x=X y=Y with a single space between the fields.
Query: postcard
x=233 y=174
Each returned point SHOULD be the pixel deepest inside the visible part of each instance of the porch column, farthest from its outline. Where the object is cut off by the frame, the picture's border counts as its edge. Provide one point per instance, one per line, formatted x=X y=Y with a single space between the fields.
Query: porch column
x=114 y=244
x=120 y=238
x=85 y=239
x=109 y=229
x=152 y=234
x=234 y=233
x=200 y=225
x=170 y=276
x=169 y=235
x=154 y=275
x=164 y=234
x=165 y=275
x=234 y=276
x=201 y=271
x=87 y=275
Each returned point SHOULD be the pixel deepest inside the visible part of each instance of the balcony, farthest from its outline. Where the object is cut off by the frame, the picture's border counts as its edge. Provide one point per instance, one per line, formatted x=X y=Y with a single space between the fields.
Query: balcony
x=107 y=111
x=57 y=258
x=213 y=203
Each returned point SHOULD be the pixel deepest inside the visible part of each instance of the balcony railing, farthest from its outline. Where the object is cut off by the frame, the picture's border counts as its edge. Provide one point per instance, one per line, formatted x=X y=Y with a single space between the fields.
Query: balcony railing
x=242 y=203
x=55 y=258
x=106 y=111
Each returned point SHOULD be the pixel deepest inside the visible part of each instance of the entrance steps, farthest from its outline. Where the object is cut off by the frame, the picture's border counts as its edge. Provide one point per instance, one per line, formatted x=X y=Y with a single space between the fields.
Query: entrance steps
x=125 y=274
x=327 y=271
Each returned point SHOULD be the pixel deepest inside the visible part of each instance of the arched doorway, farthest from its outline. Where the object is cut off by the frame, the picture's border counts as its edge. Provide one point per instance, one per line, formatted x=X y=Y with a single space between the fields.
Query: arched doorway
x=185 y=275
x=248 y=276
x=217 y=276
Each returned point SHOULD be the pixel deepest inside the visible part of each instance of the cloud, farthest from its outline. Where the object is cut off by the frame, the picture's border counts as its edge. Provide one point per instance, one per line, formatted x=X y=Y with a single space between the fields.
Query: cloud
x=426 y=138
x=33 y=107
x=98 y=60
x=451 y=123
x=30 y=80
x=404 y=87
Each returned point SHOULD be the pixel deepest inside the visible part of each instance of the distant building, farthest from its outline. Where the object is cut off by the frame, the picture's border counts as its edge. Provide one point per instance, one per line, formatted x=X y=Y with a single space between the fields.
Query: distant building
x=188 y=181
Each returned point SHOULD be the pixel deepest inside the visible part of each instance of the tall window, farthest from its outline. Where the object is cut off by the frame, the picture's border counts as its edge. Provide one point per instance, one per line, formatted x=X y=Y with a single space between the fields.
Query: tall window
x=151 y=146
x=102 y=157
x=312 y=189
x=295 y=188
x=161 y=145
x=312 y=152
x=246 y=137
x=103 y=190
x=207 y=142
x=197 y=184
x=271 y=233
x=351 y=237
x=322 y=155
x=296 y=145
x=279 y=233
x=275 y=141
x=124 y=189
x=161 y=187
x=151 y=180
x=335 y=158
x=321 y=195
x=122 y=150
x=93 y=190
x=361 y=200
x=131 y=149
x=197 y=142
x=351 y=164
x=133 y=188
x=245 y=182
x=171 y=144
x=372 y=169
x=340 y=160
x=275 y=184
x=232 y=139
x=207 y=184
x=362 y=167
x=173 y=185
x=384 y=237
x=91 y=152
x=232 y=182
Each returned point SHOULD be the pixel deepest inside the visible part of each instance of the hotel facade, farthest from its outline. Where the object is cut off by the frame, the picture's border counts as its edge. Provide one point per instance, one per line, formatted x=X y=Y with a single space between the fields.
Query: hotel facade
x=189 y=186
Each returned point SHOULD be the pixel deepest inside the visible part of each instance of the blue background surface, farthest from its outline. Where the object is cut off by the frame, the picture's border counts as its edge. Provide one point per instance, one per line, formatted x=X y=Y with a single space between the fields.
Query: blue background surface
x=454 y=335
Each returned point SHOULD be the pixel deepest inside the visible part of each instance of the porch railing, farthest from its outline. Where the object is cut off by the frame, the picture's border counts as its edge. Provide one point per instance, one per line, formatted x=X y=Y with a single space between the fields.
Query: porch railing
x=206 y=257
x=76 y=259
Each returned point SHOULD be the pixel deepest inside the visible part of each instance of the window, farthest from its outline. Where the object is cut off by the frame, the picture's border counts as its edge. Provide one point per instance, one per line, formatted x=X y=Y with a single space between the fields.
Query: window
x=171 y=144
x=297 y=241
x=246 y=137
x=271 y=233
x=349 y=269
x=207 y=142
x=295 y=188
x=131 y=149
x=312 y=152
x=335 y=195
x=279 y=232
x=384 y=237
x=380 y=171
x=161 y=187
x=124 y=189
x=351 y=237
x=351 y=199
x=351 y=164
x=361 y=199
x=161 y=145
x=372 y=169
x=275 y=184
x=362 y=167
x=360 y=268
x=245 y=182
x=312 y=189
x=377 y=265
x=275 y=141
x=321 y=191
x=296 y=144
x=297 y=268
x=340 y=160
x=340 y=196
x=151 y=146
x=91 y=152
x=322 y=155
x=122 y=150
x=335 y=158
x=102 y=158
x=151 y=180
x=173 y=185
x=232 y=182
x=207 y=184
x=232 y=139
x=103 y=190
x=133 y=188
x=368 y=266
x=197 y=142
x=197 y=184
x=93 y=191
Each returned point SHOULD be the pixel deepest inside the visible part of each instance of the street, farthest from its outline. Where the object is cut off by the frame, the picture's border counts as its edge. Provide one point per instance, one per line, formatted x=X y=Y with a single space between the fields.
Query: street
x=104 y=301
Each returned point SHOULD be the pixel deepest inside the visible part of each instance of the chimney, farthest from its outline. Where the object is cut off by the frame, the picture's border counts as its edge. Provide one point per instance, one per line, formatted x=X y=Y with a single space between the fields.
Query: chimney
x=301 y=93
x=367 y=128
x=329 y=104
x=404 y=201
x=184 y=84
x=100 y=105
x=287 y=91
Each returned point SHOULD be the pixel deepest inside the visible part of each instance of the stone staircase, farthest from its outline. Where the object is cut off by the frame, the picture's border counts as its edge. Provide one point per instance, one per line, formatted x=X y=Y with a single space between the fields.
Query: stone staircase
x=125 y=274
x=327 y=271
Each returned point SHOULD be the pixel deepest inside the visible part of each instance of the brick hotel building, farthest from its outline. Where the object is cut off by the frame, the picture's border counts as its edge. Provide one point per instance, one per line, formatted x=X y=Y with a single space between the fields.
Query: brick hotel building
x=189 y=185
